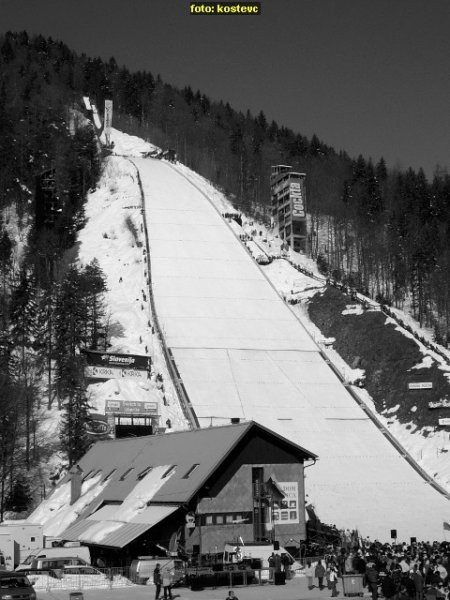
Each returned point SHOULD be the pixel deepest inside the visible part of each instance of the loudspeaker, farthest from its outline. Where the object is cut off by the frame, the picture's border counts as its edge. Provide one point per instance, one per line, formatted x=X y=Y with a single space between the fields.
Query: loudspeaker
x=276 y=545
x=279 y=578
x=393 y=534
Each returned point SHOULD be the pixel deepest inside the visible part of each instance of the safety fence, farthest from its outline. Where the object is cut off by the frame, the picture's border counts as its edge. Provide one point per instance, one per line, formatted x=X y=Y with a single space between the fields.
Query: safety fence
x=80 y=579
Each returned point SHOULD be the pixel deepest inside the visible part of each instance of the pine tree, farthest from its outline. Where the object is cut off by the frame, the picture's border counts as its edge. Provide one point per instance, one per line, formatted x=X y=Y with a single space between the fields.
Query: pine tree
x=19 y=498
x=73 y=434
x=93 y=287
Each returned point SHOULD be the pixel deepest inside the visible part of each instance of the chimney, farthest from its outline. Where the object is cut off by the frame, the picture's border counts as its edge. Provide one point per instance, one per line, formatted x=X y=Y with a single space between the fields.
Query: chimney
x=76 y=473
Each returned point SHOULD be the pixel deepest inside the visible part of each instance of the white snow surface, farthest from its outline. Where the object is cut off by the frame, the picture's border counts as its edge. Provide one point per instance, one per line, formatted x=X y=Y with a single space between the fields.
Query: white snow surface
x=242 y=351
x=108 y=239
x=56 y=513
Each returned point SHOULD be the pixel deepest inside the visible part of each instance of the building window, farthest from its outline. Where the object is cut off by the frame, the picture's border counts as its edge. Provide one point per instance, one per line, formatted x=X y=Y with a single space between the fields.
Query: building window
x=169 y=470
x=33 y=539
x=226 y=519
x=126 y=473
x=109 y=475
x=143 y=473
x=191 y=470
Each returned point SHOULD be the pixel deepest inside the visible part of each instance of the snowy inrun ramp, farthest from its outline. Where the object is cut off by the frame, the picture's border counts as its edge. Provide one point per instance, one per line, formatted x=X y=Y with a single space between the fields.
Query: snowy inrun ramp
x=241 y=352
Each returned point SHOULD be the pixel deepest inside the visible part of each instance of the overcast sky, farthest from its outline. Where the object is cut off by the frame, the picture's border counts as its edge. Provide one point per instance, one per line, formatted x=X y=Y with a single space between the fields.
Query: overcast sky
x=367 y=76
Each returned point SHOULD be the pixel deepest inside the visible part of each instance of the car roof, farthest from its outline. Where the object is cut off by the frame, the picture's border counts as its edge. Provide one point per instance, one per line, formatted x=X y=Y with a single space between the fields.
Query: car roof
x=59 y=557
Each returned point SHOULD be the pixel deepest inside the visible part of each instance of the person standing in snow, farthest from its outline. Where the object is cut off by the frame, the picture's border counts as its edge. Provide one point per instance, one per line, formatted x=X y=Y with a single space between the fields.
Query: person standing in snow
x=167 y=581
x=320 y=574
x=309 y=573
x=371 y=577
x=157 y=580
x=388 y=586
x=332 y=578
x=418 y=582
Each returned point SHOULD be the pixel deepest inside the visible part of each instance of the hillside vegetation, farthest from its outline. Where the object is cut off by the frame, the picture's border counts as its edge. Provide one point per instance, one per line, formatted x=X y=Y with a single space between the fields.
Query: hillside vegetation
x=391 y=360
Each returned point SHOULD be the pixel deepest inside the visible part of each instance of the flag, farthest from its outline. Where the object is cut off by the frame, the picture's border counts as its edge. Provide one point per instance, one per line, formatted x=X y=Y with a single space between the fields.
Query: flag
x=446 y=526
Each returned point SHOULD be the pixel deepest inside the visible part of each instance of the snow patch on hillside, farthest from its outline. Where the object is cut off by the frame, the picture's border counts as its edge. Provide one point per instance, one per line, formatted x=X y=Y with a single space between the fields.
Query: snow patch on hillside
x=114 y=236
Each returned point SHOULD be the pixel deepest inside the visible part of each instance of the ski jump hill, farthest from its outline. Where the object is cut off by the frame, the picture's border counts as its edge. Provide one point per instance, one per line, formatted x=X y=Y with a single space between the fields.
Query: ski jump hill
x=240 y=352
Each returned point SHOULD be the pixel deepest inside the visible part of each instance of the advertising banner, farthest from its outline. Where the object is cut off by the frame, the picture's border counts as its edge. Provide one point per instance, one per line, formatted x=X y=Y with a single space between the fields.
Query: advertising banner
x=420 y=385
x=107 y=121
x=297 y=198
x=131 y=407
x=114 y=373
x=98 y=426
x=287 y=511
x=442 y=403
x=113 y=359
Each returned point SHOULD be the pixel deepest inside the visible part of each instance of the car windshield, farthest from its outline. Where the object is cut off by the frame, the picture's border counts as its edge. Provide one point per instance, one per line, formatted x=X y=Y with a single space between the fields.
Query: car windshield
x=14 y=582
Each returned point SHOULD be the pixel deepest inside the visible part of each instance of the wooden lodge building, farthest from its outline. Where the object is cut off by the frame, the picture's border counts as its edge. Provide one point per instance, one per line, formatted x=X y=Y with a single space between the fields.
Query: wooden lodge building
x=188 y=491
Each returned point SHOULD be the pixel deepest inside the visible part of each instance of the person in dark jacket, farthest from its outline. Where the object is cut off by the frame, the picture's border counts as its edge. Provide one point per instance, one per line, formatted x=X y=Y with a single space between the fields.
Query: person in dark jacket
x=371 y=576
x=417 y=578
x=388 y=586
x=320 y=573
x=157 y=580
x=409 y=586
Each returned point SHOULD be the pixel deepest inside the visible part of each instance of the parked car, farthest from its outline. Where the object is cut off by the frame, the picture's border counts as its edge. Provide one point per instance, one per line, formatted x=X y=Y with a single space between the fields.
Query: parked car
x=15 y=586
x=58 y=552
x=54 y=562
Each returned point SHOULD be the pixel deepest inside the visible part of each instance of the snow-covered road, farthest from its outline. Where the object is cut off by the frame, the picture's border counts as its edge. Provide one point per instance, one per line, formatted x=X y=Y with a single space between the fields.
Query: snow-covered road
x=241 y=352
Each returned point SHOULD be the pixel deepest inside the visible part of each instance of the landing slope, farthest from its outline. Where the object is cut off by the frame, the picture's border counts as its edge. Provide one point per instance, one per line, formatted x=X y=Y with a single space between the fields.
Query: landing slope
x=241 y=352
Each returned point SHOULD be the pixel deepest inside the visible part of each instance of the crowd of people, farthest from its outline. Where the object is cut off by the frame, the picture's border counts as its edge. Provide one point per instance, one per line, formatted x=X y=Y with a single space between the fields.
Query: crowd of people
x=397 y=571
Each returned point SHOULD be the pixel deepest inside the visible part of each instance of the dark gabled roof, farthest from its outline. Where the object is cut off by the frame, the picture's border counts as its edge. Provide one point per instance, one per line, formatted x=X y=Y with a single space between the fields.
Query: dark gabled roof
x=186 y=459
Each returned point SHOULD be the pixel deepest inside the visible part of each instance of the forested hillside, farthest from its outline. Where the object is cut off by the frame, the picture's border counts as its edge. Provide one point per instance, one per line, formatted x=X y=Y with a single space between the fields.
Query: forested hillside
x=384 y=231
x=47 y=307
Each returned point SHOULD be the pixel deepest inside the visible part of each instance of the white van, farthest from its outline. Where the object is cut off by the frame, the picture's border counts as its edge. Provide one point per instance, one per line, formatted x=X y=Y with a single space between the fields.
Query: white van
x=141 y=568
x=55 y=553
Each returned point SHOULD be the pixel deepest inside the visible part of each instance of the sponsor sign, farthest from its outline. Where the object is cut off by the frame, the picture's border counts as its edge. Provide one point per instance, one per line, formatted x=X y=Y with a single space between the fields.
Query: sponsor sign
x=445 y=422
x=287 y=510
x=107 y=121
x=297 y=199
x=131 y=407
x=98 y=425
x=190 y=520
x=420 y=385
x=442 y=403
x=108 y=114
x=113 y=359
x=114 y=373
